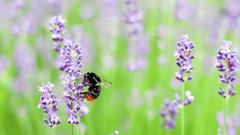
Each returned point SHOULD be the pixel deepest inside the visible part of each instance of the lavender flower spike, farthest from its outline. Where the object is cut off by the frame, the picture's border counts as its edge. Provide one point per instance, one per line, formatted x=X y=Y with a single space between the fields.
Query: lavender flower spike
x=74 y=100
x=71 y=57
x=138 y=46
x=133 y=18
x=227 y=64
x=48 y=102
x=233 y=123
x=57 y=27
x=168 y=112
x=184 y=58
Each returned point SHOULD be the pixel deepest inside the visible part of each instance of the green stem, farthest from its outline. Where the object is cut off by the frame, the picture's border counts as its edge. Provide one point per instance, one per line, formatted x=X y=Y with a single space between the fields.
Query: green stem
x=53 y=131
x=76 y=127
x=182 y=110
x=73 y=129
x=225 y=116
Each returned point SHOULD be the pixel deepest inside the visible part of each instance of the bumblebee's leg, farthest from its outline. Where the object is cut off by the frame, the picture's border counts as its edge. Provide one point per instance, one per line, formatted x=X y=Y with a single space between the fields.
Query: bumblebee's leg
x=84 y=94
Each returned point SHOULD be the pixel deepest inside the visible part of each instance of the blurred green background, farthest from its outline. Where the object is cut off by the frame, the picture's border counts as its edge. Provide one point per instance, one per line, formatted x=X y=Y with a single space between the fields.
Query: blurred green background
x=132 y=104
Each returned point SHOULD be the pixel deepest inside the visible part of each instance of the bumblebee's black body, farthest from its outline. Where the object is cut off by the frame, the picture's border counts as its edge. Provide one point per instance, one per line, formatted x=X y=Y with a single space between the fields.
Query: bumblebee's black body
x=93 y=81
x=94 y=91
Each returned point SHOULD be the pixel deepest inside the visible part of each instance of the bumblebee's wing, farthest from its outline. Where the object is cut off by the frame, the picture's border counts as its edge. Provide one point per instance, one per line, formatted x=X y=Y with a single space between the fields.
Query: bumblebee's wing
x=106 y=84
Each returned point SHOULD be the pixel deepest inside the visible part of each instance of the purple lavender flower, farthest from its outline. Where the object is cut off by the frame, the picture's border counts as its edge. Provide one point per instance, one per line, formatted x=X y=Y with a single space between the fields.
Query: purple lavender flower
x=21 y=84
x=188 y=100
x=48 y=102
x=57 y=27
x=71 y=56
x=184 y=10
x=162 y=31
x=133 y=17
x=168 y=112
x=87 y=11
x=73 y=99
x=70 y=62
x=184 y=58
x=161 y=43
x=138 y=42
x=3 y=63
x=24 y=58
x=227 y=64
x=170 y=109
x=232 y=12
x=233 y=123
x=26 y=25
x=83 y=111
x=108 y=17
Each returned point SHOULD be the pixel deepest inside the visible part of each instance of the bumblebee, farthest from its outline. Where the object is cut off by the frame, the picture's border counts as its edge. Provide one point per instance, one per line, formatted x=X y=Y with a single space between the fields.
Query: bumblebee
x=94 y=83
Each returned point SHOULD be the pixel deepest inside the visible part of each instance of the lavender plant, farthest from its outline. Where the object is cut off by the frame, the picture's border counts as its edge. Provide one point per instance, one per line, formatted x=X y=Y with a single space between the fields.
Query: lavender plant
x=70 y=58
x=184 y=58
x=227 y=64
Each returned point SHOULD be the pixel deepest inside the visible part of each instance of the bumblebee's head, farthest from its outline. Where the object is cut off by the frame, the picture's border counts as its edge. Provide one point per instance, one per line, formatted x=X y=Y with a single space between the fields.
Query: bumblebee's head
x=91 y=78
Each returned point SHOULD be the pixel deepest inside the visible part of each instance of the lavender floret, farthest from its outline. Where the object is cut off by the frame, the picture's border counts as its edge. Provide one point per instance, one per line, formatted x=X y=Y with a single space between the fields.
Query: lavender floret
x=188 y=99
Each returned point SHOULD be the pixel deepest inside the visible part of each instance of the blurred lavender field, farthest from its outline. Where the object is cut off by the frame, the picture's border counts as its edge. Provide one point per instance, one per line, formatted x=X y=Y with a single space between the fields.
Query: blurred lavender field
x=173 y=66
